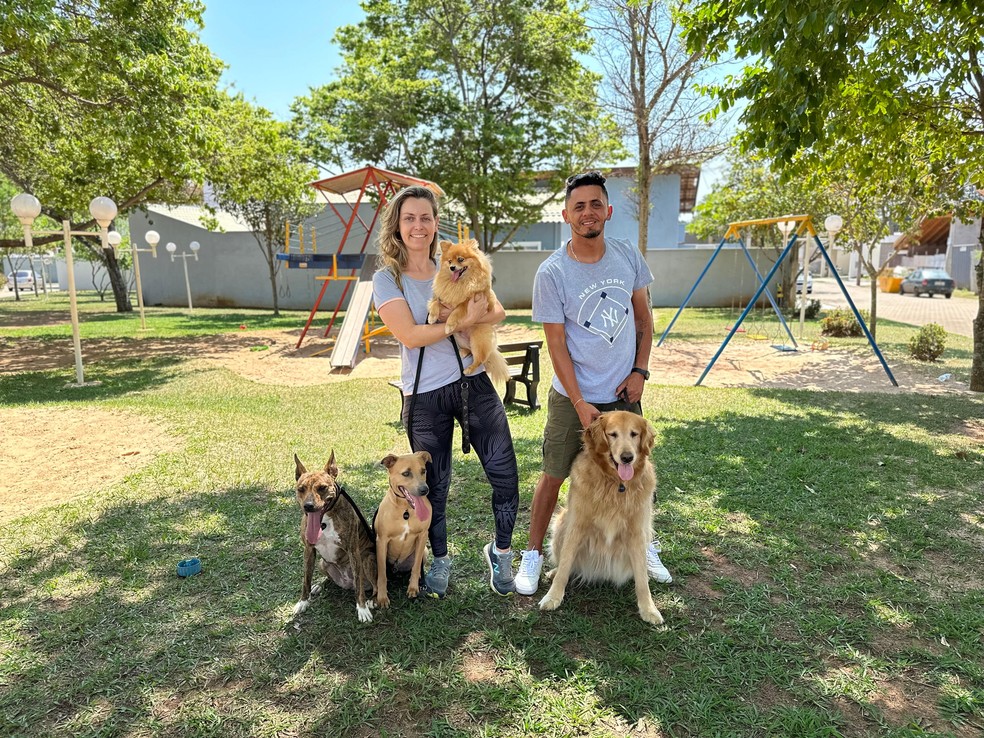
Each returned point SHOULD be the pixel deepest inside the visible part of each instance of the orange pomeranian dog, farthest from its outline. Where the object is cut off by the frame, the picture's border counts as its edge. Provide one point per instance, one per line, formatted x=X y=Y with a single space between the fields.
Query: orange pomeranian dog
x=464 y=271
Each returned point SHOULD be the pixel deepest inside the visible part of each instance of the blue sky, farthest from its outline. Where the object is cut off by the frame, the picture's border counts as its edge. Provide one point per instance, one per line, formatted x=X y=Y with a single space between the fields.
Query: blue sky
x=276 y=51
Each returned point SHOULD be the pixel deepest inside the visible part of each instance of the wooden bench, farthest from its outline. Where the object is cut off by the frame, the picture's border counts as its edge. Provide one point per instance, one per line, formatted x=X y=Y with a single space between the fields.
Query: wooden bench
x=523 y=359
x=524 y=368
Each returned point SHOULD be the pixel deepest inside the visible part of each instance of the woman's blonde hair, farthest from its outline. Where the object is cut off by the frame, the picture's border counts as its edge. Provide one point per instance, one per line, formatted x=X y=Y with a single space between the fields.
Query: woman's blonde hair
x=392 y=252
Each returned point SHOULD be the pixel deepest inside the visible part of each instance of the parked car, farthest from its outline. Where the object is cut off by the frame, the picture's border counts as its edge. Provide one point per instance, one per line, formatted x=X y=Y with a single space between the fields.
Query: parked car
x=26 y=280
x=927 y=282
x=809 y=283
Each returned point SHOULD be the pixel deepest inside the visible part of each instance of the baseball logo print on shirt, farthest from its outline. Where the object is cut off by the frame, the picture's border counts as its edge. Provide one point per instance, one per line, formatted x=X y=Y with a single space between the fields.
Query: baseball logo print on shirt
x=605 y=311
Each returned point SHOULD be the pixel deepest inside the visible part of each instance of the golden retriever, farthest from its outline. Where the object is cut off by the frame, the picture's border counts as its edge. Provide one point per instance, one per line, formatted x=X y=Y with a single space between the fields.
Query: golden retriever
x=464 y=272
x=603 y=533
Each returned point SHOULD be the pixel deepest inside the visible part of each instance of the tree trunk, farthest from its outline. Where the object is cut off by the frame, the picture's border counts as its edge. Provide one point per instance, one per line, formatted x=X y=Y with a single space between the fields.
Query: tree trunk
x=272 y=266
x=120 y=292
x=643 y=183
x=977 y=365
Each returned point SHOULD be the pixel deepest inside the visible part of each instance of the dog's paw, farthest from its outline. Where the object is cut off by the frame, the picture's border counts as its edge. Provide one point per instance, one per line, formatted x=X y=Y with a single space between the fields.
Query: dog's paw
x=382 y=601
x=364 y=613
x=651 y=615
x=550 y=601
x=301 y=606
x=413 y=591
x=315 y=590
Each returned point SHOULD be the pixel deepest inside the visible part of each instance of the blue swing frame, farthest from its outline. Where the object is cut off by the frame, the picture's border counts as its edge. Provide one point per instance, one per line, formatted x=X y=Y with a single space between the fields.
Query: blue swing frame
x=802 y=223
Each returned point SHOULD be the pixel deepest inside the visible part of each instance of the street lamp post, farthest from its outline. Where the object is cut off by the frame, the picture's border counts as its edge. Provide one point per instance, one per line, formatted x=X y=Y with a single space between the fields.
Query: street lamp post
x=27 y=208
x=194 y=246
x=152 y=238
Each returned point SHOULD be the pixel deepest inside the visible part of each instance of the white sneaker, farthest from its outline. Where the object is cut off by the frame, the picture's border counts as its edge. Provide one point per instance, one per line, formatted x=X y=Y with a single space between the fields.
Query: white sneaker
x=654 y=566
x=528 y=576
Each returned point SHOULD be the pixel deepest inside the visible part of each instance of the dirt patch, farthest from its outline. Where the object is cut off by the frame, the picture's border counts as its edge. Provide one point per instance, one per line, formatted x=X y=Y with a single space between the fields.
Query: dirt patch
x=74 y=452
x=84 y=454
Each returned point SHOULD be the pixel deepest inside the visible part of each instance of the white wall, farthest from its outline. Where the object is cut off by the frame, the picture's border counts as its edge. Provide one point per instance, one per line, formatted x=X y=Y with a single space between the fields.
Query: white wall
x=729 y=282
x=231 y=272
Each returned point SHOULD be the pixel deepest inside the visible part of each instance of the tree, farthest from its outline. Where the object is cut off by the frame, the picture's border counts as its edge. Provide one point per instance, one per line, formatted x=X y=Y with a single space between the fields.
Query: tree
x=752 y=189
x=651 y=86
x=104 y=98
x=485 y=97
x=849 y=70
x=882 y=192
x=259 y=176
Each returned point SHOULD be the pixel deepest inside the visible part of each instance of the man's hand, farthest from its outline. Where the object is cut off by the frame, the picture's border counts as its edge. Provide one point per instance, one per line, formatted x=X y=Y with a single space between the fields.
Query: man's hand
x=586 y=413
x=630 y=390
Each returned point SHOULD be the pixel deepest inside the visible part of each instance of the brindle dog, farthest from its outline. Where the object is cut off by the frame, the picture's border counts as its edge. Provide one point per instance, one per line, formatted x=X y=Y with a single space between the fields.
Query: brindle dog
x=334 y=531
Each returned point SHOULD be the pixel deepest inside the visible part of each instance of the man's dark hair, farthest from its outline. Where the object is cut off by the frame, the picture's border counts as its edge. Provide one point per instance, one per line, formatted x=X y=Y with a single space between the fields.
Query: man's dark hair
x=582 y=179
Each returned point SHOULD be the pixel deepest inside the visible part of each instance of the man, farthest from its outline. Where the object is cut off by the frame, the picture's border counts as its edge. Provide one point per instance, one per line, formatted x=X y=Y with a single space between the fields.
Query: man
x=592 y=297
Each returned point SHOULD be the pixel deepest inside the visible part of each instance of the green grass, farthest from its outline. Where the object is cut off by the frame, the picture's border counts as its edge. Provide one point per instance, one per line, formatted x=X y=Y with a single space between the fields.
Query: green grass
x=826 y=548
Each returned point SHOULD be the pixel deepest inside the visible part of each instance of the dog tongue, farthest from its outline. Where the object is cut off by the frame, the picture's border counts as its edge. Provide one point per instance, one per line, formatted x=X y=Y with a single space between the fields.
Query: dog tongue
x=421 y=511
x=456 y=275
x=625 y=472
x=313 y=531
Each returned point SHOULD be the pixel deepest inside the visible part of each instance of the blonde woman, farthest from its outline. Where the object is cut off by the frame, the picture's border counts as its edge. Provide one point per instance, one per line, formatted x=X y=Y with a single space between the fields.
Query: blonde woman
x=436 y=391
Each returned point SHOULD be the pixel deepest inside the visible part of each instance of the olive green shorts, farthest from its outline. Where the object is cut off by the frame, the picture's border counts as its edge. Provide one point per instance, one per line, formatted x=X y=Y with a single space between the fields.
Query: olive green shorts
x=562 y=432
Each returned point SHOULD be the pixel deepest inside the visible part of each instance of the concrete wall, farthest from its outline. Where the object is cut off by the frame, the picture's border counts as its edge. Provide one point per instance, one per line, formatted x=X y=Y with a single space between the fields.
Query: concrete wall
x=231 y=271
x=729 y=282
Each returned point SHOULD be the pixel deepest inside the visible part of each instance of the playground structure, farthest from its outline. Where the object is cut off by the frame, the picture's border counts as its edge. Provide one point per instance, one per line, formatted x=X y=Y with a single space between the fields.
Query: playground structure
x=792 y=226
x=353 y=267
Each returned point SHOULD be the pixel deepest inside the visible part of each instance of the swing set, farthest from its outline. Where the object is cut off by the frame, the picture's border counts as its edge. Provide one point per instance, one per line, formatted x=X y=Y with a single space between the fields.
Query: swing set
x=794 y=226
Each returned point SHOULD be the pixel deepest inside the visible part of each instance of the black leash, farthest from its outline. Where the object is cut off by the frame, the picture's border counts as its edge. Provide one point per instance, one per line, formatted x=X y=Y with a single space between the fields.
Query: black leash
x=465 y=438
x=365 y=523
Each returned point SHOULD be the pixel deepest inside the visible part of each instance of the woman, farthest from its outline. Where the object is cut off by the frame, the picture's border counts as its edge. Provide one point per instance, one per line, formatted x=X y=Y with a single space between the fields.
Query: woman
x=437 y=395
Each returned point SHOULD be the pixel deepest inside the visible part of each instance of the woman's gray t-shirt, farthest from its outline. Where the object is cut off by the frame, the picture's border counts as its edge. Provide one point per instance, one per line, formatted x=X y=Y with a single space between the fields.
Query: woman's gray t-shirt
x=440 y=365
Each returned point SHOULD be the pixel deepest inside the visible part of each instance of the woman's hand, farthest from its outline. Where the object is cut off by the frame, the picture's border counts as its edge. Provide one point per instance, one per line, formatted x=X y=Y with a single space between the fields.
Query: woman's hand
x=477 y=309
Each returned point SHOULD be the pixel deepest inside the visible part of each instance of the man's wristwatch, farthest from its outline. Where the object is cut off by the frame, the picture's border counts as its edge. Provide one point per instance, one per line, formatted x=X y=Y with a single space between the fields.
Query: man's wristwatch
x=643 y=372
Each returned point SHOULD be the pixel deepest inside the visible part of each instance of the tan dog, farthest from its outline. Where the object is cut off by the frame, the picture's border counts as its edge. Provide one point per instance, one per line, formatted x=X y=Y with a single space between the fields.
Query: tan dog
x=464 y=271
x=603 y=533
x=333 y=529
x=402 y=522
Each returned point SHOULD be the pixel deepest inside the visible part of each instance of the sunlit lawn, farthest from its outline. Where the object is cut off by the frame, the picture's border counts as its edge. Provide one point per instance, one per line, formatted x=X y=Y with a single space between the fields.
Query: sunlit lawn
x=826 y=548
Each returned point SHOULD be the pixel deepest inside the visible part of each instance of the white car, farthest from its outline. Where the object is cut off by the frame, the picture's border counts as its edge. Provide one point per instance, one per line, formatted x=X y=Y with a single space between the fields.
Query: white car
x=809 y=283
x=26 y=280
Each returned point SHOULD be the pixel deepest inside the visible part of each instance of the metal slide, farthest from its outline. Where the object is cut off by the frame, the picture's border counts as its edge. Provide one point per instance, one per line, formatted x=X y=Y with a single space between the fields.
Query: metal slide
x=350 y=334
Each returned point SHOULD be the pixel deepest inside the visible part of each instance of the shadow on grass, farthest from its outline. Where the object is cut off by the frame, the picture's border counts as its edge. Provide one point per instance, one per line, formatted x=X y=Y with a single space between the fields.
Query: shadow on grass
x=126 y=645
x=115 y=379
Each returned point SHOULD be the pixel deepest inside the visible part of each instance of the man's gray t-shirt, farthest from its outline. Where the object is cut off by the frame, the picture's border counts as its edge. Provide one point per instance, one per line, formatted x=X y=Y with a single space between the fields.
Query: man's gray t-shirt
x=594 y=302
x=440 y=365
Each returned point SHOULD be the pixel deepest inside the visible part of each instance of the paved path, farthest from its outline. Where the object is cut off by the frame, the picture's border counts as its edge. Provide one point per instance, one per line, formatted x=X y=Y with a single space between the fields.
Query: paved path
x=956 y=315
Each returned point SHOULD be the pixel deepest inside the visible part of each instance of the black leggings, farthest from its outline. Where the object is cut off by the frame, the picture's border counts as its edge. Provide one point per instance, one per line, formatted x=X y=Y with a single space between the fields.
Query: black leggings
x=434 y=414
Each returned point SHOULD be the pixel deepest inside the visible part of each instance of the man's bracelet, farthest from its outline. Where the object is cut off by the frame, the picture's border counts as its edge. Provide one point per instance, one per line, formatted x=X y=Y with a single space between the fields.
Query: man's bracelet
x=580 y=399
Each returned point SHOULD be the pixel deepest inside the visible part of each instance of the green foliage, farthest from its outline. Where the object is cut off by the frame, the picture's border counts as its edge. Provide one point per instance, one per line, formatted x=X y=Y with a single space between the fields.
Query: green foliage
x=813 y=308
x=259 y=175
x=481 y=97
x=754 y=188
x=928 y=344
x=840 y=322
x=104 y=97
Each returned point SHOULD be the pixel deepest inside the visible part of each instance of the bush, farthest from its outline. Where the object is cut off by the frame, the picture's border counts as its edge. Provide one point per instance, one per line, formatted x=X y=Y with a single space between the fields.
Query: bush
x=812 y=310
x=841 y=323
x=928 y=344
